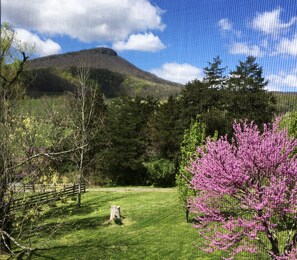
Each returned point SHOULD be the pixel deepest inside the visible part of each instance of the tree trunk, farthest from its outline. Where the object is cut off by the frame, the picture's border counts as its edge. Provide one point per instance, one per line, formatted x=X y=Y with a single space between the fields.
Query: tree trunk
x=115 y=214
x=187 y=215
x=5 y=225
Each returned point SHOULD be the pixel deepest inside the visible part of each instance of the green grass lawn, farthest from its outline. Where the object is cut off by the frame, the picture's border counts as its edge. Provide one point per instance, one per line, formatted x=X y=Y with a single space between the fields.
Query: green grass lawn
x=153 y=228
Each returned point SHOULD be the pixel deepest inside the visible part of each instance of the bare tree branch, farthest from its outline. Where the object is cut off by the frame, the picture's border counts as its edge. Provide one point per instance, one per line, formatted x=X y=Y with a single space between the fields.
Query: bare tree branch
x=50 y=155
x=4 y=233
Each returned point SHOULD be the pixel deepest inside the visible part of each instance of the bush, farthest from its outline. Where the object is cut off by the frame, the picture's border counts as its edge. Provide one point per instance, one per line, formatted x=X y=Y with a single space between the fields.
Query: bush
x=161 y=172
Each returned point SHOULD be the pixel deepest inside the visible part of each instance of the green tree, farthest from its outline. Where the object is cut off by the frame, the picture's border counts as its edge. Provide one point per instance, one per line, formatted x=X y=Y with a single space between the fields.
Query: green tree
x=126 y=139
x=193 y=137
x=201 y=98
x=165 y=130
x=161 y=172
x=214 y=74
x=289 y=121
x=248 y=98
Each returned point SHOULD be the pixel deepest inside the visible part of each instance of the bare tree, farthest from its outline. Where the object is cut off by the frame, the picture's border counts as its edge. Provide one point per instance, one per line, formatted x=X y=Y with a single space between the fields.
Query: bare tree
x=87 y=117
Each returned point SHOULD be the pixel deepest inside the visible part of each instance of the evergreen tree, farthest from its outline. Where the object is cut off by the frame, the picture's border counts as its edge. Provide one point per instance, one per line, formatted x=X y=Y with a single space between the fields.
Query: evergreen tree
x=165 y=130
x=214 y=74
x=200 y=98
x=126 y=138
x=248 y=98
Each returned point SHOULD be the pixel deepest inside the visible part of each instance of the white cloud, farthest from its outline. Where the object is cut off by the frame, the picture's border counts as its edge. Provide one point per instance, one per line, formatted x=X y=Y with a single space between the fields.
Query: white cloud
x=88 y=21
x=225 y=24
x=243 y=48
x=283 y=81
x=270 y=22
x=41 y=47
x=286 y=46
x=180 y=73
x=140 y=42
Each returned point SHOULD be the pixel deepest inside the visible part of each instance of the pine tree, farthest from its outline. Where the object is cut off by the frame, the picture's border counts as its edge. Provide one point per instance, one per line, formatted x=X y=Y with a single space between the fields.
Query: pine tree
x=248 y=98
x=214 y=74
x=126 y=139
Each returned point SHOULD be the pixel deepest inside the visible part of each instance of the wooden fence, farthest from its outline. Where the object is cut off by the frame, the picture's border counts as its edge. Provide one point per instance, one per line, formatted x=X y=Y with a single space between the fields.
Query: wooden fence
x=40 y=199
x=18 y=187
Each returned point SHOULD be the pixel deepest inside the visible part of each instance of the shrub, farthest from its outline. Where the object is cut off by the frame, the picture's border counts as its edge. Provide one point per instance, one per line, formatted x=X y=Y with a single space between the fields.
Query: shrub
x=161 y=172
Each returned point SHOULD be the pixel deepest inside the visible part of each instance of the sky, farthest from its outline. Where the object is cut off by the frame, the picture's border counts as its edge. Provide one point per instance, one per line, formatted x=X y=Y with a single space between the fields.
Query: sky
x=174 y=39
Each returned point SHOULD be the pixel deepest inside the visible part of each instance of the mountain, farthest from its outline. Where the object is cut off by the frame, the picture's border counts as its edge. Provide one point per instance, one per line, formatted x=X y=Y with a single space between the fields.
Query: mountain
x=116 y=75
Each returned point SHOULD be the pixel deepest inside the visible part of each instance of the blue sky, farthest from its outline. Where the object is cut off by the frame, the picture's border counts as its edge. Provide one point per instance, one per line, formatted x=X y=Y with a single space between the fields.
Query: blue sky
x=173 y=39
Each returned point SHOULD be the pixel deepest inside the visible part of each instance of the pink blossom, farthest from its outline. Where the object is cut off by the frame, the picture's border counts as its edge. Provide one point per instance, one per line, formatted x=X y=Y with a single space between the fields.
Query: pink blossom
x=246 y=187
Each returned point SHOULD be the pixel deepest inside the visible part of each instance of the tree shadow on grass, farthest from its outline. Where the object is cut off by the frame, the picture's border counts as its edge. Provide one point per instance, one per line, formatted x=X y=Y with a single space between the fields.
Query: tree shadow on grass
x=63 y=228
x=88 y=206
x=75 y=251
x=55 y=231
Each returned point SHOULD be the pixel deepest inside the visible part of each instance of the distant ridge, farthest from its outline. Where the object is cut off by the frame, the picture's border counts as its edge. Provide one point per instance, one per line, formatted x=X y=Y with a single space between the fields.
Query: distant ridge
x=56 y=74
x=97 y=58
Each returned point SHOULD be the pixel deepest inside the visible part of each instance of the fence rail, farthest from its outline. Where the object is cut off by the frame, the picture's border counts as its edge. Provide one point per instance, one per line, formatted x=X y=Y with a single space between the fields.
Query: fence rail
x=39 y=199
x=36 y=188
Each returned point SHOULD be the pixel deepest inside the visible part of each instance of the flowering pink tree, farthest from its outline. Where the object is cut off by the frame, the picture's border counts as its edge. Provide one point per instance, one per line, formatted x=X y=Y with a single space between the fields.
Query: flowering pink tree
x=248 y=192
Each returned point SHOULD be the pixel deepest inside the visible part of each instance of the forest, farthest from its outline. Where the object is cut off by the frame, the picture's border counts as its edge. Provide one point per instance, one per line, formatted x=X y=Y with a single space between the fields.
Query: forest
x=134 y=140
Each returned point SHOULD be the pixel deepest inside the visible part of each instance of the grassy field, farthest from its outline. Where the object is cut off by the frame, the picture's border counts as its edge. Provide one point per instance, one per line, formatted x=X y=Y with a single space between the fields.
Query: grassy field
x=153 y=228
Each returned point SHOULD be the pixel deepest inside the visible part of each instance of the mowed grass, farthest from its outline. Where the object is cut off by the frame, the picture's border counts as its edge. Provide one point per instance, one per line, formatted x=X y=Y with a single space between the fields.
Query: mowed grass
x=153 y=228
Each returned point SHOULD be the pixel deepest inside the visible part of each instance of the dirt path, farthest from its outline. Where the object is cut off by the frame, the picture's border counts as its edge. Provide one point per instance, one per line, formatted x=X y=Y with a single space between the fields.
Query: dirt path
x=131 y=189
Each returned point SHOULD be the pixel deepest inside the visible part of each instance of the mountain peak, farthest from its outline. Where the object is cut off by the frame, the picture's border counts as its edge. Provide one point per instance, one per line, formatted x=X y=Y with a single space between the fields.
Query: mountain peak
x=95 y=51
x=96 y=58
x=107 y=51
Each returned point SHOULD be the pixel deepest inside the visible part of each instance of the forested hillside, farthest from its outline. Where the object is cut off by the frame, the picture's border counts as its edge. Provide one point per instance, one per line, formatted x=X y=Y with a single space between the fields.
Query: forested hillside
x=116 y=76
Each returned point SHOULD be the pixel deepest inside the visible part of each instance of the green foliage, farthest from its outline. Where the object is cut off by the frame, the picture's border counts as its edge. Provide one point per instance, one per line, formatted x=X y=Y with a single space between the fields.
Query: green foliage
x=247 y=97
x=214 y=74
x=109 y=82
x=165 y=131
x=193 y=137
x=13 y=56
x=135 y=86
x=289 y=121
x=161 y=172
x=48 y=81
x=208 y=99
x=286 y=101
x=56 y=81
x=126 y=140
